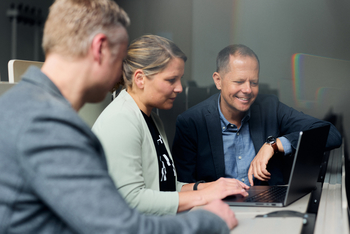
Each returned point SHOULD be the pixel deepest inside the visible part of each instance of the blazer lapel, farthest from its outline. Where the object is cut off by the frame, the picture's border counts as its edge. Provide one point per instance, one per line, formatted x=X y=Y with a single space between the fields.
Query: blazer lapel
x=256 y=128
x=215 y=137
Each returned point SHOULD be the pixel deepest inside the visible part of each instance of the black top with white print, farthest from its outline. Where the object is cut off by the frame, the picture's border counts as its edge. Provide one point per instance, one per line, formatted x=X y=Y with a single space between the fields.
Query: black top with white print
x=165 y=164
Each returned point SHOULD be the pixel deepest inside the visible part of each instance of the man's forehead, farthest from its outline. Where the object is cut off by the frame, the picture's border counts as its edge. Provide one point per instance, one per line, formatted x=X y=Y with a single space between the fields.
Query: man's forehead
x=231 y=73
x=236 y=56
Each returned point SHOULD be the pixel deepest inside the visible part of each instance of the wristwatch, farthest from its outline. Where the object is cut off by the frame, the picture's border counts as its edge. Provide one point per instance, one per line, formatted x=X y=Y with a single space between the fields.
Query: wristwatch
x=195 y=186
x=272 y=141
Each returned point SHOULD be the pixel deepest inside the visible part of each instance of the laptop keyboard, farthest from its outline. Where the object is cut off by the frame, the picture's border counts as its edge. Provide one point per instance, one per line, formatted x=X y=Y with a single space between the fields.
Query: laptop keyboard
x=273 y=194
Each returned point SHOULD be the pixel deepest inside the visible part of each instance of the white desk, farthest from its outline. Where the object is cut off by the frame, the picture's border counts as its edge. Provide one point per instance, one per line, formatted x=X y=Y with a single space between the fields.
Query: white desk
x=249 y=223
x=332 y=216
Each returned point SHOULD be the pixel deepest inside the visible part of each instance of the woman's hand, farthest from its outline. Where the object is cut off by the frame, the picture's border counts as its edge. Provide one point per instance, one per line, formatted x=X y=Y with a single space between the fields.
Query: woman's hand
x=208 y=192
x=222 y=188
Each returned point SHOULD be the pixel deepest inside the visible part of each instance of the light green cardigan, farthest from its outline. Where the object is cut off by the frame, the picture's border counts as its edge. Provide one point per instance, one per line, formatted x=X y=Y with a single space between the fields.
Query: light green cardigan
x=132 y=157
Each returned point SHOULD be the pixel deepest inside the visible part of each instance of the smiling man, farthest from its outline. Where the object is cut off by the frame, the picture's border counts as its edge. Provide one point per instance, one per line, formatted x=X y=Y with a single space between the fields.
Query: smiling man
x=238 y=133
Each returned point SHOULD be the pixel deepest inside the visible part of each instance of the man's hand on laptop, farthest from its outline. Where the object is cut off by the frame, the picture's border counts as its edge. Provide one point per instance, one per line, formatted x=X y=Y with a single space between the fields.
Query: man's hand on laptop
x=258 y=165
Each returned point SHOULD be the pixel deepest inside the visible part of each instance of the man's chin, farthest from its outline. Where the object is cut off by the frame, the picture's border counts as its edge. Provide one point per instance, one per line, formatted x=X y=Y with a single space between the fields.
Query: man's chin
x=244 y=108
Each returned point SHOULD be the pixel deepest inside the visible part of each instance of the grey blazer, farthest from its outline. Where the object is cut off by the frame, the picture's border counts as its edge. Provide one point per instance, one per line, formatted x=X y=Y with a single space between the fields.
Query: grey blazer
x=53 y=172
x=132 y=157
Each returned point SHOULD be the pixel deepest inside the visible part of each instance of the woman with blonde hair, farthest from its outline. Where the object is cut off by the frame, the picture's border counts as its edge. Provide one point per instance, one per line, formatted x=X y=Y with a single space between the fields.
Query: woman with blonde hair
x=134 y=140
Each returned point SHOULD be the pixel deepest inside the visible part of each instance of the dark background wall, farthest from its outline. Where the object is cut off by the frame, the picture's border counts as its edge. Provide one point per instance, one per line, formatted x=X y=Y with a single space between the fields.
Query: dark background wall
x=274 y=29
x=25 y=34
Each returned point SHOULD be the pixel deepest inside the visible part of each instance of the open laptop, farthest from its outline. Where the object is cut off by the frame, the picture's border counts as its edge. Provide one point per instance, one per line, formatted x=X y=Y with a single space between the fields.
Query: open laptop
x=303 y=177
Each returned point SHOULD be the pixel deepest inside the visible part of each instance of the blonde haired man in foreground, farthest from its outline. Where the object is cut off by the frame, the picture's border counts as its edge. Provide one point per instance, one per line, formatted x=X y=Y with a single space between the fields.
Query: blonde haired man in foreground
x=54 y=175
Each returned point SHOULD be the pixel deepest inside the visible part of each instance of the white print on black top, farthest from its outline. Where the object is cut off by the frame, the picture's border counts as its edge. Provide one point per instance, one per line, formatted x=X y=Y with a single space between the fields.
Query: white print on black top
x=169 y=163
x=163 y=178
x=160 y=140
x=166 y=168
x=163 y=170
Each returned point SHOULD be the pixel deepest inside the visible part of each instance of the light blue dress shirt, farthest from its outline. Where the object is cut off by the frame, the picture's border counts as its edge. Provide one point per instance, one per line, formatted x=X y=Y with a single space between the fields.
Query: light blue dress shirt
x=239 y=148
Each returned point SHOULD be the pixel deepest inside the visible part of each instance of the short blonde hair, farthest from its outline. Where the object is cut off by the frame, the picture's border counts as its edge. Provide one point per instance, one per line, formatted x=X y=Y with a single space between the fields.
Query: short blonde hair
x=150 y=53
x=72 y=24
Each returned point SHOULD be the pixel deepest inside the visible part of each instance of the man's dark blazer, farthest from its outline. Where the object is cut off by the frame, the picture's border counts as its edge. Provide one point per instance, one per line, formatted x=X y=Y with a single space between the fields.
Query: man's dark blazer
x=198 y=147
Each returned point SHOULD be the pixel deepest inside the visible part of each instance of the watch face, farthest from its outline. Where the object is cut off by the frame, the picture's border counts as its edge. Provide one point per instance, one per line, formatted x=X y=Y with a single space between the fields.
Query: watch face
x=271 y=140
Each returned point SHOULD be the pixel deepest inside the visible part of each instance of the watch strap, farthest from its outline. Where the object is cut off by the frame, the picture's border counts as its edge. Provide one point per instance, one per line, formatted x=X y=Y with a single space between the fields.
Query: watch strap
x=271 y=140
x=195 y=186
x=274 y=146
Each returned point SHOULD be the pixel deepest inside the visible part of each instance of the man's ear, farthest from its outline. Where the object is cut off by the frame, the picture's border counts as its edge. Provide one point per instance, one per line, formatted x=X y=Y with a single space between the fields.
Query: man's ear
x=217 y=80
x=98 y=46
x=139 y=78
